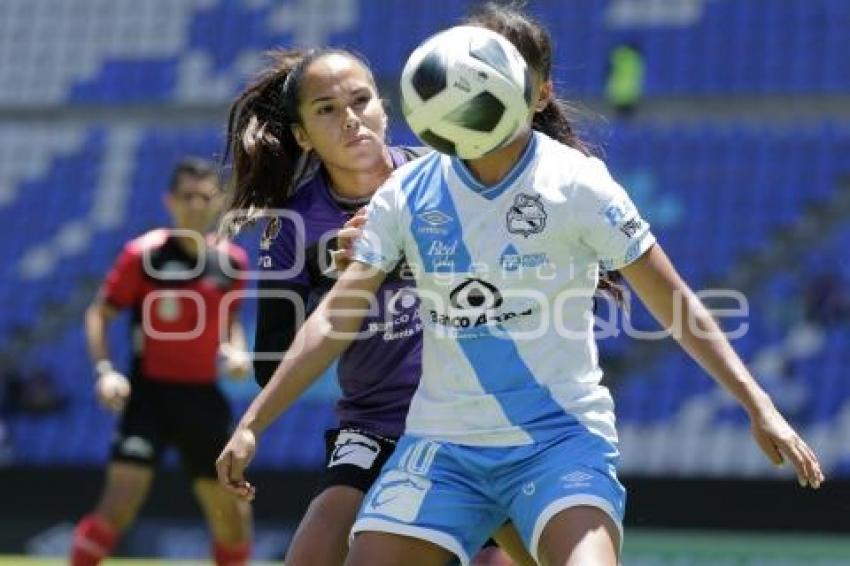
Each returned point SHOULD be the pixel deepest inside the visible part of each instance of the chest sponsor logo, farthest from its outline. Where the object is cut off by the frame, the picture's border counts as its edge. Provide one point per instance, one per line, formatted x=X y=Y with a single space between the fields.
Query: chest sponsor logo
x=438 y=248
x=512 y=260
x=168 y=308
x=526 y=216
x=475 y=303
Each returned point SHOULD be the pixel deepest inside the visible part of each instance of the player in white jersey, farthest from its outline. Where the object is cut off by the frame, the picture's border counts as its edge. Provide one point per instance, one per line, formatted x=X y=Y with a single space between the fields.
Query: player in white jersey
x=509 y=420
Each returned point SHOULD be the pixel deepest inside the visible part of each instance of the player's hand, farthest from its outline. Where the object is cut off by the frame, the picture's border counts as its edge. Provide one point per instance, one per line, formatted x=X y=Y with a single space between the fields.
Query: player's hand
x=781 y=443
x=345 y=239
x=112 y=390
x=233 y=460
x=237 y=363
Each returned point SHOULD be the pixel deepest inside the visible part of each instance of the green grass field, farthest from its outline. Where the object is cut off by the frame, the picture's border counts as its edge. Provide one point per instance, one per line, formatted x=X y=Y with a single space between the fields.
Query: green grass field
x=649 y=548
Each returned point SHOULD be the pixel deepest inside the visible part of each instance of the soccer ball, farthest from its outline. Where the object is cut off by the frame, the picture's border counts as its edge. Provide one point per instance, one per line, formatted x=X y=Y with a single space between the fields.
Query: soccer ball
x=465 y=91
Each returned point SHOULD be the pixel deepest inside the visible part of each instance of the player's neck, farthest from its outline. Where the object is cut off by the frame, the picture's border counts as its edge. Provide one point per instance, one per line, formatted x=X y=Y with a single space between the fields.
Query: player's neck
x=493 y=167
x=190 y=245
x=351 y=184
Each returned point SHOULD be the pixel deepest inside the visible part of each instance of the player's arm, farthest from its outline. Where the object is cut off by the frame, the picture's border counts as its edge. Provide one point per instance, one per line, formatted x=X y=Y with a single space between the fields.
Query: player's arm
x=678 y=309
x=111 y=387
x=233 y=349
x=121 y=289
x=320 y=340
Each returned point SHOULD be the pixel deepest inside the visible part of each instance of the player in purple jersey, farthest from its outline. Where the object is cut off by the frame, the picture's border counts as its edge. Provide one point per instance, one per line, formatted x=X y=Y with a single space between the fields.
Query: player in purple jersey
x=308 y=150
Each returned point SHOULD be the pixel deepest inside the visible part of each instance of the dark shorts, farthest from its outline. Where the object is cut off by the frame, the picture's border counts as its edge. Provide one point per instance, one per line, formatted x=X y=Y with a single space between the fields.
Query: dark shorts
x=195 y=419
x=354 y=458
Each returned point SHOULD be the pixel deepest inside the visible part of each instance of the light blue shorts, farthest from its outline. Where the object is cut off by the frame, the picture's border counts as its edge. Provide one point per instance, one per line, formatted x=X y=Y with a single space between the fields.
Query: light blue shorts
x=457 y=496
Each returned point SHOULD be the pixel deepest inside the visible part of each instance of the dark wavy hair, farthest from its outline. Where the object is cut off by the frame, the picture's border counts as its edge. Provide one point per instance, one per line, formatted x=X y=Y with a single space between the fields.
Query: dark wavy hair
x=266 y=160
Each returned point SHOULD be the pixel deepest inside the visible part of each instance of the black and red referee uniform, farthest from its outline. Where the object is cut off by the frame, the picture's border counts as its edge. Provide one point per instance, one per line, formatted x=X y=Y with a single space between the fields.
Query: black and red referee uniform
x=182 y=306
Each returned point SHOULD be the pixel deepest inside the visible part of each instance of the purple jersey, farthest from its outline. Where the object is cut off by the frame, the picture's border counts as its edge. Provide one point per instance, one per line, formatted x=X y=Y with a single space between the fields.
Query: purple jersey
x=380 y=371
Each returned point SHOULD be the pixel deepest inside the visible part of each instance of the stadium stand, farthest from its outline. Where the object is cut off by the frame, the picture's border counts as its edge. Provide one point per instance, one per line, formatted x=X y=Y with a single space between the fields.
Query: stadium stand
x=72 y=191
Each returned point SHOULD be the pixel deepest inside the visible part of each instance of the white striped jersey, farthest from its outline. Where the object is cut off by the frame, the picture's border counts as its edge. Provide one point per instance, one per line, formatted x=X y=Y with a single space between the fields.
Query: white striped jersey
x=506 y=276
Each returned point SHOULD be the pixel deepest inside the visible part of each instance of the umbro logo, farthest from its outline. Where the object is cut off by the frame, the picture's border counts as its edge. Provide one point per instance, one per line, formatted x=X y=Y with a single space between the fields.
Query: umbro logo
x=435 y=217
x=576 y=477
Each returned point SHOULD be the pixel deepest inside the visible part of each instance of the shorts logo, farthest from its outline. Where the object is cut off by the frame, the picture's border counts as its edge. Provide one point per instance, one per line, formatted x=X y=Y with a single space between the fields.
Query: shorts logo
x=526 y=215
x=353 y=449
x=576 y=479
x=136 y=446
x=398 y=495
x=529 y=489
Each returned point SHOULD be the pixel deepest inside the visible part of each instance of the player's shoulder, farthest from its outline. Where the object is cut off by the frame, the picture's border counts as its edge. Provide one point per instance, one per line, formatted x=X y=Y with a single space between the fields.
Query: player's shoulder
x=149 y=241
x=413 y=173
x=569 y=170
x=307 y=195
x=567 y=161
x=229 y=248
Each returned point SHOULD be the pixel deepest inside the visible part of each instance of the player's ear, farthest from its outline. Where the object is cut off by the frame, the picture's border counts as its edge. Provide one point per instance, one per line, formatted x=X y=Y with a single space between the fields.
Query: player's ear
x=301 y=137
x=544 y=97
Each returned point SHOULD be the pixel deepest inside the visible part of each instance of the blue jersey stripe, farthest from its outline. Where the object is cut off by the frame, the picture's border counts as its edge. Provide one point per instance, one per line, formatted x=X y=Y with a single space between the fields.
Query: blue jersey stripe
x=434 y=222
x=503 y=374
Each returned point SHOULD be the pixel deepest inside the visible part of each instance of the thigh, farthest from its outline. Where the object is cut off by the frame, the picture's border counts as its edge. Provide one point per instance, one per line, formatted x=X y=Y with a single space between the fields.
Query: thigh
x=388 y=549
x=580 y=535
x=199 y=422
x=509 y=540
x=431 y=491
x=353 y=461
x=322 y=536
x=139 y=438
x=569 y=472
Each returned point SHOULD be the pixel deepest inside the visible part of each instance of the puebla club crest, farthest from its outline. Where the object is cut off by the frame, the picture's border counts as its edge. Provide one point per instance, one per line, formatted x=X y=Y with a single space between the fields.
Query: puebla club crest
x=270 y=232
x=526 y=215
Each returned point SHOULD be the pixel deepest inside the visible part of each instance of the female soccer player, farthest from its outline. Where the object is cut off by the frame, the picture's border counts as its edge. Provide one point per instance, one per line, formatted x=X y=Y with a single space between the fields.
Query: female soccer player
x=509 y=419
x=307 y=141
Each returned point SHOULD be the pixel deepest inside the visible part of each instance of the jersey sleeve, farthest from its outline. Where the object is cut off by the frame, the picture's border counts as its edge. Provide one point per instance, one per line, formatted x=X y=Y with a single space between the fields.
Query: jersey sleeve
x=280 y=310
x=381 y=244
x=239 y=261
x=610 y=222
x=123 y=283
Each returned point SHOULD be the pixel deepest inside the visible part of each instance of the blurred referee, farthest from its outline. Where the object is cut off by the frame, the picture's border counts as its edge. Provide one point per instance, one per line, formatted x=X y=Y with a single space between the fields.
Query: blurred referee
x=181 y=288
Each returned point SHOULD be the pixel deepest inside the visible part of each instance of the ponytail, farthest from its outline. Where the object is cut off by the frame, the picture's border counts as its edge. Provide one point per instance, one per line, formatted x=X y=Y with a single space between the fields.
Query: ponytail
x=260 y=144
x=534 y=43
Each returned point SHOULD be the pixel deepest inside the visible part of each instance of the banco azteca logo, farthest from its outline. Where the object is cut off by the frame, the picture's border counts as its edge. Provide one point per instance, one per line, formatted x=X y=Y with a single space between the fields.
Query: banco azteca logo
x=475 y=294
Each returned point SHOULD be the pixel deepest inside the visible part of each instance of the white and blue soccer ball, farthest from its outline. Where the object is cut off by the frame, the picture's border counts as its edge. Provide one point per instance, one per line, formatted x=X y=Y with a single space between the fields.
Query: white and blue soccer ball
x=466 y=91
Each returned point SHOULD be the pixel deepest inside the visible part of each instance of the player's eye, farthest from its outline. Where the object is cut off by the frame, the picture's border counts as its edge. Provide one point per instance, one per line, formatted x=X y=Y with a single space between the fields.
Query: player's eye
x=325 y=109
x=362 y=100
